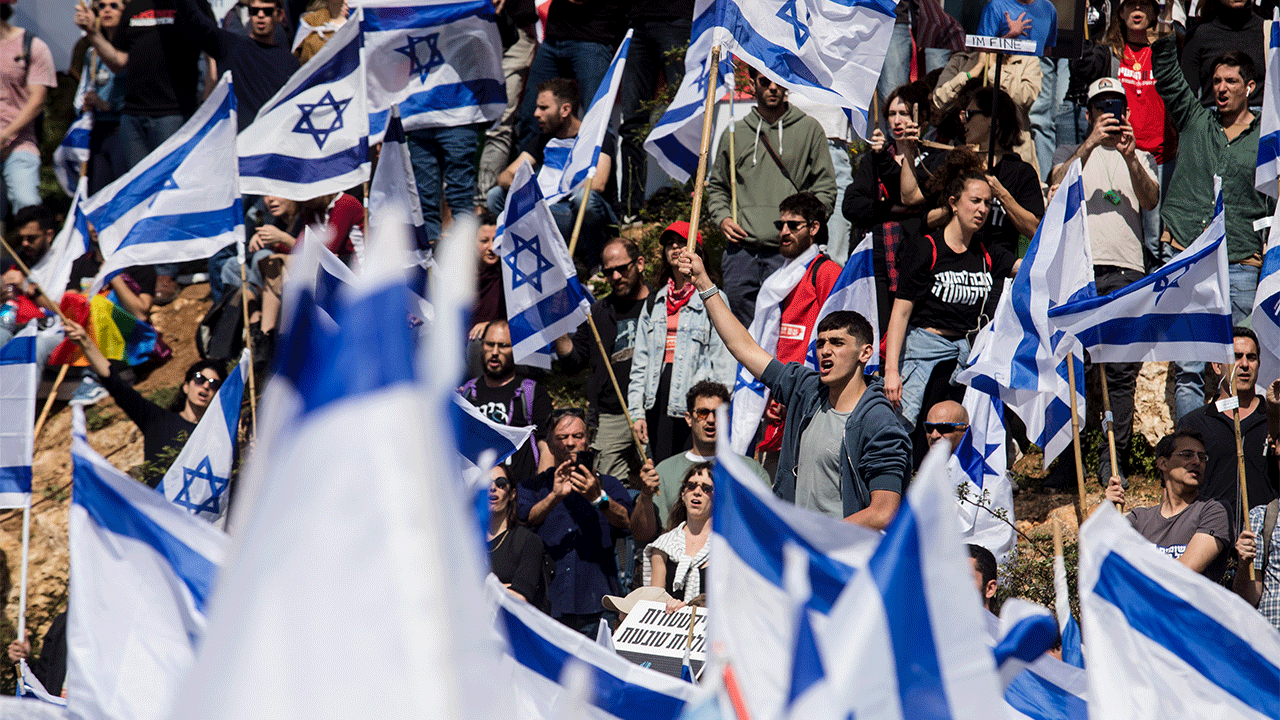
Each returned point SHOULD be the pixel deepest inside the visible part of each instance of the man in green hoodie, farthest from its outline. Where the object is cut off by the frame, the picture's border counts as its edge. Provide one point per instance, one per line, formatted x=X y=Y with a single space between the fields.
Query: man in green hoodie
x=780 y=151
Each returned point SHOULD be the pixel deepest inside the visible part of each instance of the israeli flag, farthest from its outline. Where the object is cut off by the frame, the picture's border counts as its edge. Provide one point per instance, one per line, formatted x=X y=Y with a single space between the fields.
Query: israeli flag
x=1265 y=318
x=1267 y=174
x=1048 y=689
x=909 y=640
x=1027 y=631
x=73 y=152
x=750 y=531
x=585 y=153
x=544 y=298
x=53 y=271
x=830 y=50
x=142 y=572
x=854 y=290
x=676 y=139
x=393 y=180
x=539 y=650
x=808 y=693
x=1165 y=642
x=180 y=203
x=478 y=435
x=199 y=478
x=312 y=138
x=19 y=378
x=439 y=60
x=983 y=469
x=1179 y=312
x=1020 y=356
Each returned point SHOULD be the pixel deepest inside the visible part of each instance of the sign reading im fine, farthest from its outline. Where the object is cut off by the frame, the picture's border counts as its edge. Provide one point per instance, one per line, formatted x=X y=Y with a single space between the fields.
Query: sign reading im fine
x=998 y=44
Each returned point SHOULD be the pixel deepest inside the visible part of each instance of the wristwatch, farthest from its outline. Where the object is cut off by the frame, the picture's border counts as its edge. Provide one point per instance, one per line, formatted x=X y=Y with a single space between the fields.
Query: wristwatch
x=602 y=502
x=704 y=295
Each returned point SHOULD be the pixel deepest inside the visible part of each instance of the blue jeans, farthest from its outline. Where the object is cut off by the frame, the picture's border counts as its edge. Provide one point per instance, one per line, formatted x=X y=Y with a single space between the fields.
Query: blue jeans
x=1043 y=112
x=590 y=240
x=921 y=352
x=744 y=270
x=651 y=53
x=444 y=162
x=137 y=137
x=896 y=70
x=1160 y=252
x=580 y=60
x=838 y=241
x=1071 y=124
x=21 y=180
x=1188 y=390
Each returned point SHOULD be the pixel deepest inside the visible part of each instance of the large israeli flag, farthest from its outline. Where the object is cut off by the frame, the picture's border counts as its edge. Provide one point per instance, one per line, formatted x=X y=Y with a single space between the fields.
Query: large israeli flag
x=676 y=139
x=1164 y=641
x=1265 y=318
x=1267 y=174
x=199 y=479
x=19 y=378
x=830 y=50
x=1020 y=356
x=393 y=182
x=142 y=572
x=751 y=530
x=854 y=290
x=439 y=60
x=538 y=651
x=181 y=202
x=53 y=271
x=1180 y=312
x=544 y=298
x=909 y=640
x=312 y=138
x=585 y=153
x=73 y=152
x=983 y=469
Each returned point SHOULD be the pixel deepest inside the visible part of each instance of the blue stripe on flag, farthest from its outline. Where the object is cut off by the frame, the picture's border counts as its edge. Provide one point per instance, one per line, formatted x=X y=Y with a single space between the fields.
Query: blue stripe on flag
x=895 y=567
x=1213 y=650
x=15 y=479
x=671 y=146
x=1268 y=148
x=231 y=394
x=420 y=17
x=1027 y=639
x=113 y=512
x=1040 y=699
x=475 y=437
x=776 y=57
x=184 y=226
x=1172 y=270
x=757 y=536
x=288 y=168
x=1158 y=328
x=20 y=350
x=343 y=63
x=548 y=310
x=481 y=91
x=623 y=700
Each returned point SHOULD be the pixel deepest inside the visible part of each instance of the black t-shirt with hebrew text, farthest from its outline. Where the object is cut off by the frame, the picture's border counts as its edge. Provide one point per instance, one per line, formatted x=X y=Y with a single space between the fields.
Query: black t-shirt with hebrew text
x=950 y=292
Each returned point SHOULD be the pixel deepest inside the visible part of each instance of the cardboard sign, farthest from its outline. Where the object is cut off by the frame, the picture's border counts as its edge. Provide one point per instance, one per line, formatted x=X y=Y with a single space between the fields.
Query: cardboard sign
x=652 y=638
x=1017 y=46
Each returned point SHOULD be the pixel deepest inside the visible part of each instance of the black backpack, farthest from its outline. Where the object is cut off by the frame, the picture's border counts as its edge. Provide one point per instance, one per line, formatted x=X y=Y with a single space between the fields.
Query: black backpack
x=221 y=332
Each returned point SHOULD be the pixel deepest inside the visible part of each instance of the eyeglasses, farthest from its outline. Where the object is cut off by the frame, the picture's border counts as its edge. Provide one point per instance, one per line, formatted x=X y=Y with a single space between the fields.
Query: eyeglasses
x=792 y=225
x=944 y=427
x=707 y=488
x=622 y=269
x=255 y=11
x=108 y=6
x=703 y=413
x=1189 y=454
x=205 y=381
x=970 y=112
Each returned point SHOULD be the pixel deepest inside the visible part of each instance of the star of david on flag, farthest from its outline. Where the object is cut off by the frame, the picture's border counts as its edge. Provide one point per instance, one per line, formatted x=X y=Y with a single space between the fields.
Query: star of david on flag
x=329 y=120
x=417 y=66
x=198 y=479
x=544 y=298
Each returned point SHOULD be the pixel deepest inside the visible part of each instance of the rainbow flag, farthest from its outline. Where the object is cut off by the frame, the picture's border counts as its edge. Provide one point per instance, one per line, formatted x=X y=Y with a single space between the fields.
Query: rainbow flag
x=119 y=334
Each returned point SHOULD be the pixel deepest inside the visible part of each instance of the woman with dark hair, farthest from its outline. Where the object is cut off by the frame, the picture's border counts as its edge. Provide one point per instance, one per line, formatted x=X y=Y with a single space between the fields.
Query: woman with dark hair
x=677 y=560
x=948 y=279
x=164 y=430
x=515 y=551
x=873 y=201
x=675 y=347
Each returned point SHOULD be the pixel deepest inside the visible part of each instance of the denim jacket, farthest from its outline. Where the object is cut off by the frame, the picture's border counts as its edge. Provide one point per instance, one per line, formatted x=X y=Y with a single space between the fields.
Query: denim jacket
x=700 y=355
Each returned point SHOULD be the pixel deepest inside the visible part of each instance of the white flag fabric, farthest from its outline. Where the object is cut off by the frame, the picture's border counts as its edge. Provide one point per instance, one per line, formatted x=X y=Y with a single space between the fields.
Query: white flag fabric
x=983 y=465
x=72 y=152
x=1267 y=174
x=142 y=572
x=830 y=50
x=544 y=298
x=394 y=179
x=320 y=548
x=1164 y=641
x=750 y=628
x=439 y=60
x=538 y=651
x=585 y=153
x=1049 y=689
x=854 y=290
x=749 y=394
x=478 y=434
x=19 y=379
x=312 y=137
x=676 y=138
x=1020 y=356
x=1180 y=312
x=25 y=708
x=1265 y=318
x=200 y=476
x=1027 y=631
x=53 y=271
x=181 y=202
x=906 y=638
x=32 y=687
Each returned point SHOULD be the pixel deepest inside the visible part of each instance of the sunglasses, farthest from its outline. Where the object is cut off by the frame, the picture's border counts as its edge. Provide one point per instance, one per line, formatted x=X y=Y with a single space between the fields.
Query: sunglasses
x=944 y=428
x=205 y=381
x=255 y=11
x=108 y=6
x=703 y=413
x=966 y=114
x=707 y=488
x=501 y=482
x=620 y=269
x=792 y=225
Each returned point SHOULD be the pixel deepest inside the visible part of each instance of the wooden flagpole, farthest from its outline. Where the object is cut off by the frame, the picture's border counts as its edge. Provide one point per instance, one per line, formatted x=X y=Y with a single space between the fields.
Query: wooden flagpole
x=613 y=378
x=700 y=180
x=582 y=212
x=248 y=343
x=1109 y=421
x=1244 y=489
x=1075 y=437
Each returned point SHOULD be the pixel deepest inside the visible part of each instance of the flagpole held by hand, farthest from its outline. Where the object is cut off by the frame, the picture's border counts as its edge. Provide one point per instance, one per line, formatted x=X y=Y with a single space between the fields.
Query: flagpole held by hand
x=1109 y=420
x=1244 y=489
x=1075 y=437
x=700 y=180
x=613 y=378
x=47 y=301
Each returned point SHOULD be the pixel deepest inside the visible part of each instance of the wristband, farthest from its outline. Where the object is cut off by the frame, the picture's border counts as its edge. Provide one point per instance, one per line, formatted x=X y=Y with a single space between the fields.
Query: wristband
x=602 y=502
x=704 y=295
